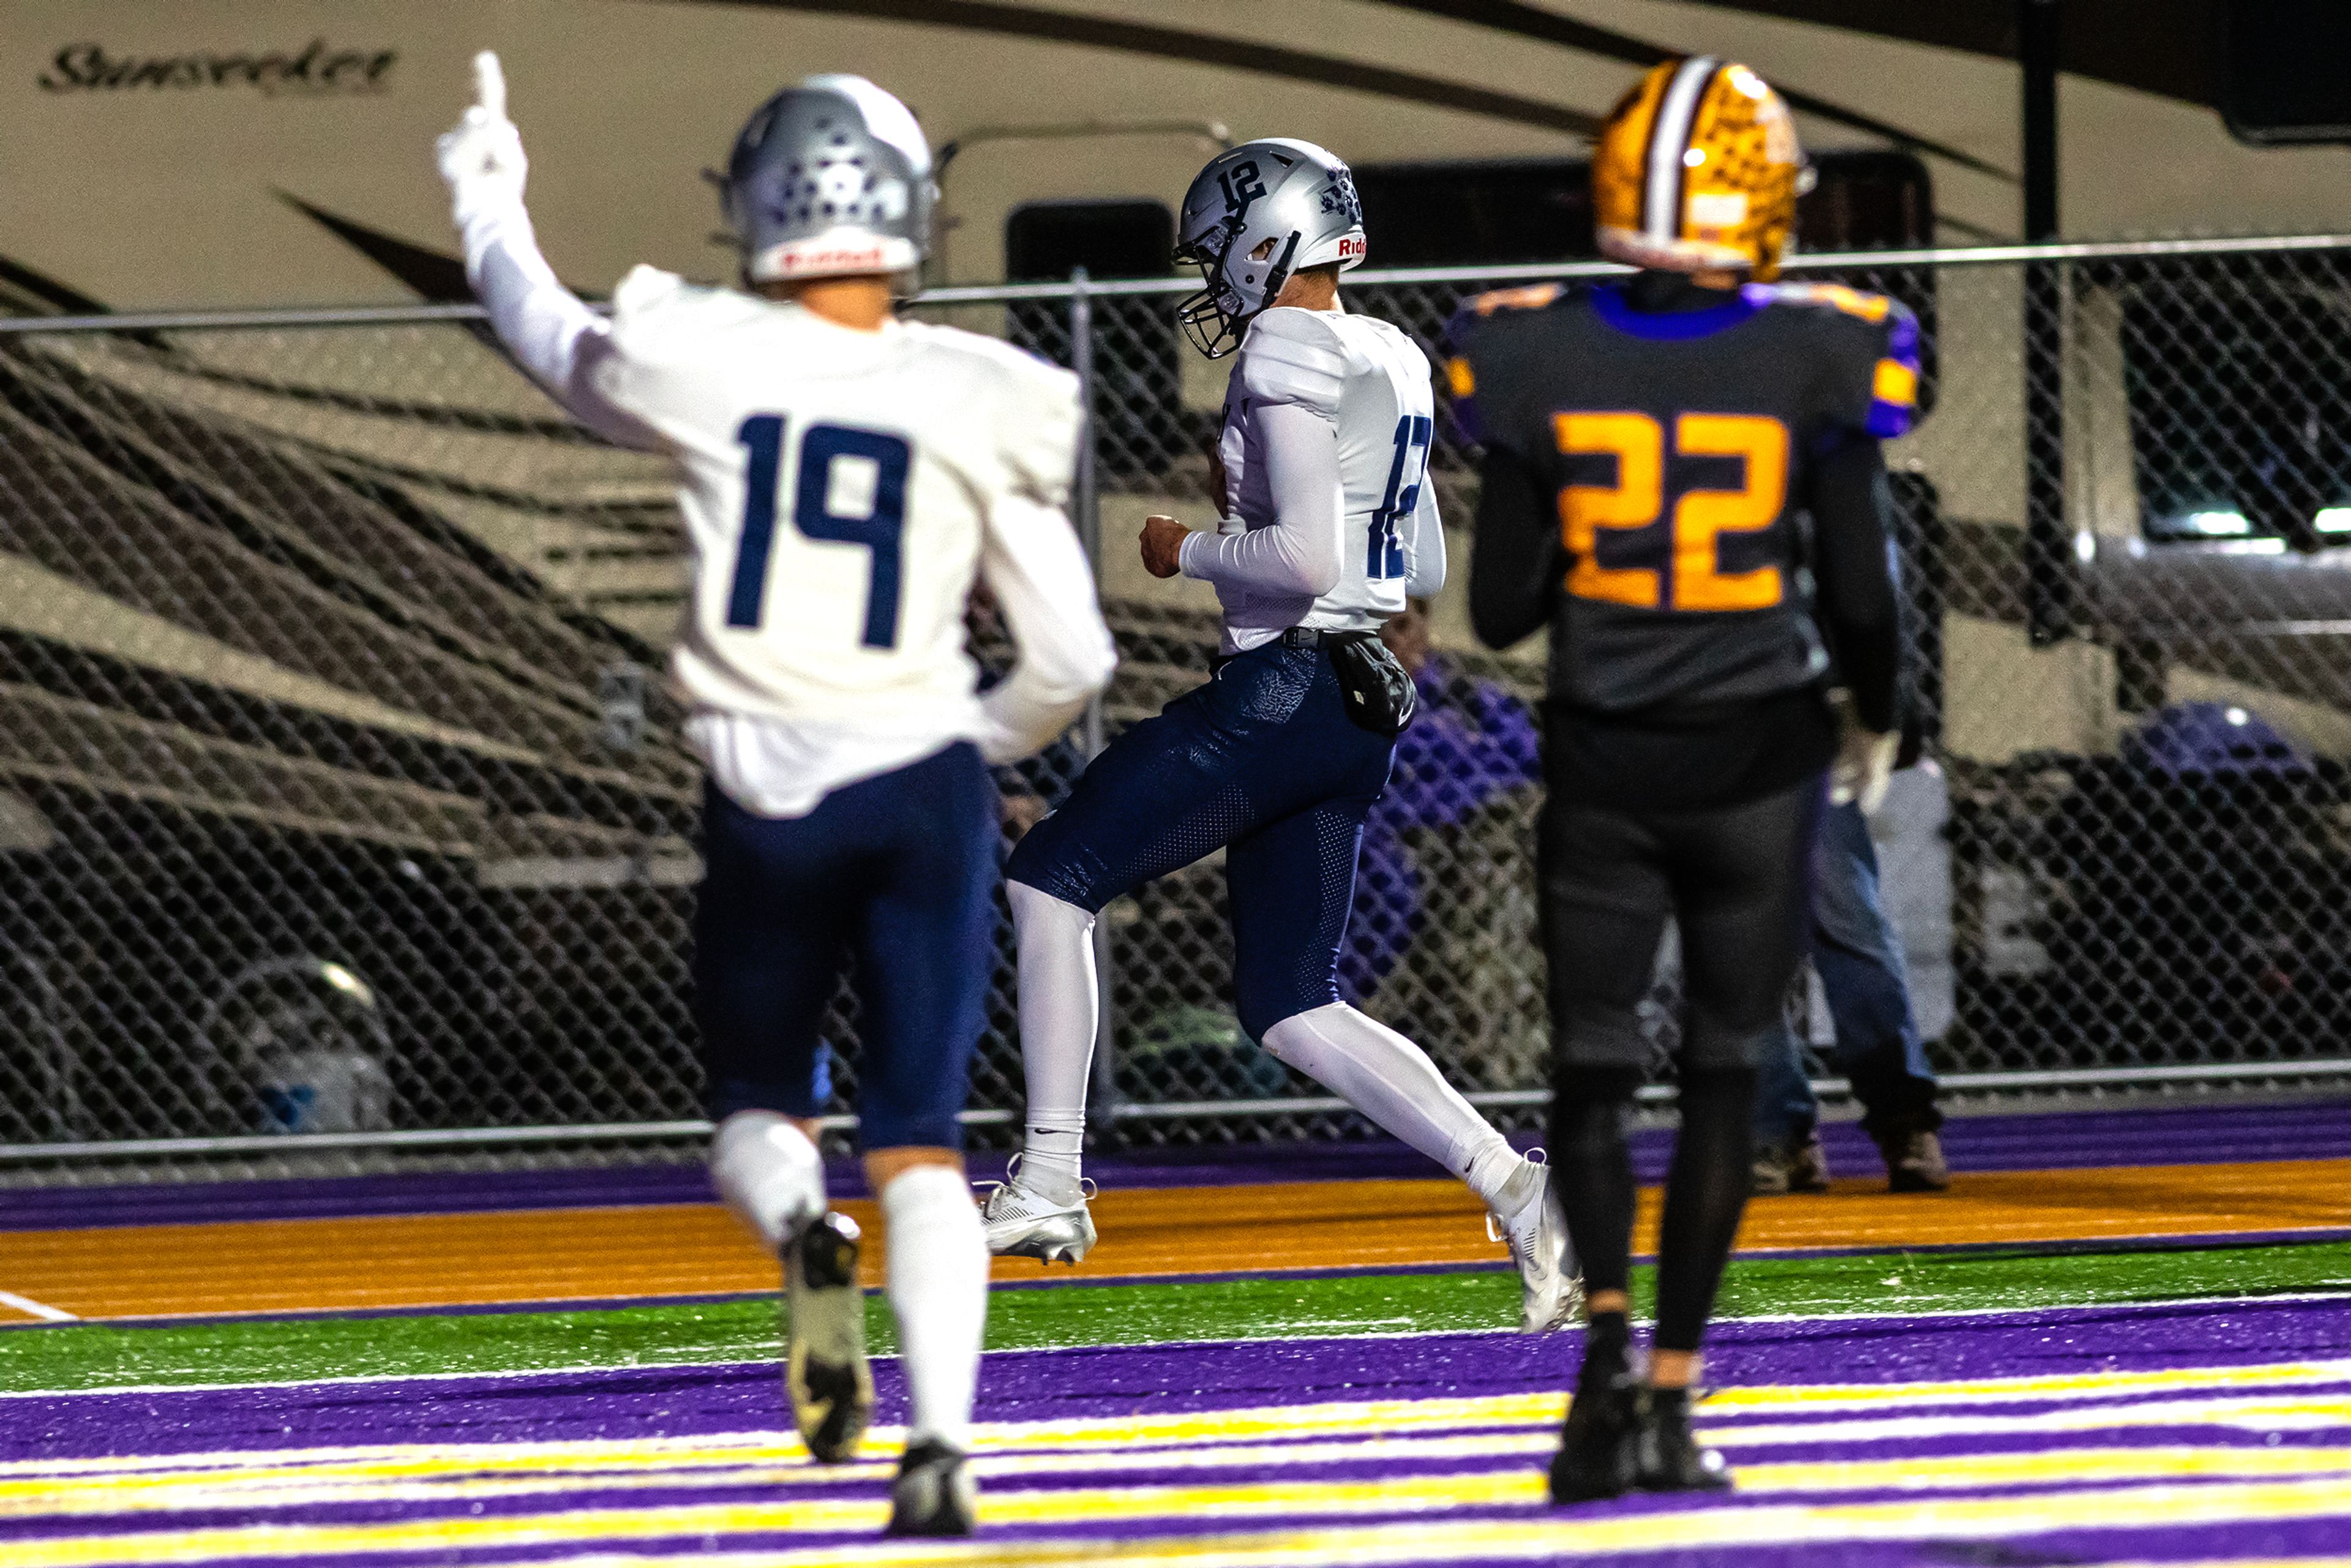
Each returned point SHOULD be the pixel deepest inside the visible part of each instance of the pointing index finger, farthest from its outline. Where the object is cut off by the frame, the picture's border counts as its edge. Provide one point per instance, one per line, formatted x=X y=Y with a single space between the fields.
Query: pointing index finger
x=490 y=84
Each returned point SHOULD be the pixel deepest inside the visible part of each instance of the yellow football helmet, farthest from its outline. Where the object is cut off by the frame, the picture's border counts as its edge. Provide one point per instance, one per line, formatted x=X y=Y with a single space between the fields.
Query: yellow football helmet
x=1698 y=168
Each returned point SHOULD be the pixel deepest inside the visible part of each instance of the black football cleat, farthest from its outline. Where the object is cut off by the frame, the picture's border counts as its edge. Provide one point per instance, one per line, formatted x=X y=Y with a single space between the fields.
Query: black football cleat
x=1667 y=1456
x=934 y=1494
x=825 y=1370
x=1595 y=1457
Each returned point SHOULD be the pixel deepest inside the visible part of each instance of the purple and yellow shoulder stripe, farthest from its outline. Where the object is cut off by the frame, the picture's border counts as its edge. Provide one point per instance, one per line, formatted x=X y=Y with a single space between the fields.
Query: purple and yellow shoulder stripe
x=1894 y=381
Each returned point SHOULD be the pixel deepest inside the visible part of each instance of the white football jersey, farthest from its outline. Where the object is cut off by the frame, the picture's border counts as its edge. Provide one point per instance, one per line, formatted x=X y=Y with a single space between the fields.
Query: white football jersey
x=841 y=491
x=1372 y=382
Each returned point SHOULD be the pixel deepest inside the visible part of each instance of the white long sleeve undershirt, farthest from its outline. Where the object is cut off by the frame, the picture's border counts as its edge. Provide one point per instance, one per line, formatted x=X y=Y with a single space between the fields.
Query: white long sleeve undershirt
x=551 y=334
x=1299 y=552
x=1428 y=545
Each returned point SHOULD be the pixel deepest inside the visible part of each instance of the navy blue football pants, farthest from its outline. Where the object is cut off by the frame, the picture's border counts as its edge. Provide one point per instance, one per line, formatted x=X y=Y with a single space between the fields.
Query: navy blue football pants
x=1260 y=762
x=897 y=873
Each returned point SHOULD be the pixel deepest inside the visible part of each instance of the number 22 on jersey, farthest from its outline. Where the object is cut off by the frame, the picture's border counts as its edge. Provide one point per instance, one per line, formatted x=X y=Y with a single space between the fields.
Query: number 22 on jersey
x=1692 y=562
x=851 y=490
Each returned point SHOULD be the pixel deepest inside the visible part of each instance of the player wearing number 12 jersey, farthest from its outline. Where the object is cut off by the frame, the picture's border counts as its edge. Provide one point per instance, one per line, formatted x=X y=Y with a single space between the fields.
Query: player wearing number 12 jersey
x=845 y=479
x=1682 y=479
x=1327 y=526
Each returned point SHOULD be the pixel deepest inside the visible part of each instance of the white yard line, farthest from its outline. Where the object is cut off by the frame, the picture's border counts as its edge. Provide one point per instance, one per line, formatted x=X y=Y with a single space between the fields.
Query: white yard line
x=572 y=1370
x=32 y=1308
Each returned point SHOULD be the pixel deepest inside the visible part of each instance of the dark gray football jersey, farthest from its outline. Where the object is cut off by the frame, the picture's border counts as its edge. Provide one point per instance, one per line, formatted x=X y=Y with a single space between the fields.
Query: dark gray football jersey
x=1679 y=444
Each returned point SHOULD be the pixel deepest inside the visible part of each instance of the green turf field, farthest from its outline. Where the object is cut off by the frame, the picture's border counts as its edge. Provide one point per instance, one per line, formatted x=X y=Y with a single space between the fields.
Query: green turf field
x=280 y=1350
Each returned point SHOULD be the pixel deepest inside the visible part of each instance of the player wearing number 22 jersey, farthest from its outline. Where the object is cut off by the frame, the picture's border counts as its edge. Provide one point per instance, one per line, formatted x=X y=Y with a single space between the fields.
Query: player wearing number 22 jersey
x=846 y=480
x=1327 y=526
x=1682 y=481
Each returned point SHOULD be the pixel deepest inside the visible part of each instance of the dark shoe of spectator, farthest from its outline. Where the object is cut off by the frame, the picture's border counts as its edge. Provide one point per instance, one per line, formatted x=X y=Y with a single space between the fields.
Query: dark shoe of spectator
x=1914 y=1162
x=1800 y=1165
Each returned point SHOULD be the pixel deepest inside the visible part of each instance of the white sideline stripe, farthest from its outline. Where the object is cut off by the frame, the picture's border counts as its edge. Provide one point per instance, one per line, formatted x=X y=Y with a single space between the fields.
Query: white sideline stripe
x=574 y=1370
x=32 y=1308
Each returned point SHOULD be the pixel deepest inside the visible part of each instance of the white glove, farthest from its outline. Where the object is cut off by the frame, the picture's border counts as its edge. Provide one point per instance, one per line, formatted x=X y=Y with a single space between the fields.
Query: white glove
x=482 y=159
x=1864 y=769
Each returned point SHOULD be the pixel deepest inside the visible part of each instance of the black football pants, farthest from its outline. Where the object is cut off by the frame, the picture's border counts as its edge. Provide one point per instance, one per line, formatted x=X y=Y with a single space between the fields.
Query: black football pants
x=1736 y=878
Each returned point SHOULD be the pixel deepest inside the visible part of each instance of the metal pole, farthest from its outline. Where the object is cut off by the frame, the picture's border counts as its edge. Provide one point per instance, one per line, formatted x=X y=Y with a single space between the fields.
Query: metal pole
x=2050 y=567
x=2038 y=40
x=1102 y=1092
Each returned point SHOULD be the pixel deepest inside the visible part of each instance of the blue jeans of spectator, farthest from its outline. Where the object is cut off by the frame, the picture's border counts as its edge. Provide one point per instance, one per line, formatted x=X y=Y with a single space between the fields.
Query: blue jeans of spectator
x=1859 y=956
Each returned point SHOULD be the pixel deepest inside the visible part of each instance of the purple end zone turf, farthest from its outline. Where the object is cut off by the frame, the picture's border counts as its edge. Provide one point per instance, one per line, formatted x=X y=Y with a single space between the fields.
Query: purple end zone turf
x=1032 y=1385
x=1872 y=1522
x=2305 y=1130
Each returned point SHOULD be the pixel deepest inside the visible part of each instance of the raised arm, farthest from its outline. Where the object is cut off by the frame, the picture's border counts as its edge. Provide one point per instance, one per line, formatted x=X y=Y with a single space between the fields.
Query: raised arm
x=554 y=337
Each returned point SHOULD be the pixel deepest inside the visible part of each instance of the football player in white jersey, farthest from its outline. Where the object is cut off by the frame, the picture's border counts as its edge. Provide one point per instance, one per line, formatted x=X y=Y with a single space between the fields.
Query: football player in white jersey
x=845 y=479
x=1327 y=528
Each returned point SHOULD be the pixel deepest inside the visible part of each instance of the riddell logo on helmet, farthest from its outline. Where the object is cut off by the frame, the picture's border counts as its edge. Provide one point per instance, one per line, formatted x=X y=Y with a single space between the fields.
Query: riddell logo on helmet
x=833 y=258
x=1351 y=249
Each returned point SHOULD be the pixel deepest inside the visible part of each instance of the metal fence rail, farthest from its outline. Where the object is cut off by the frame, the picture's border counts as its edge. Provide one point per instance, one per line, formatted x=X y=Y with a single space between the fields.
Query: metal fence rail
x=342 y=808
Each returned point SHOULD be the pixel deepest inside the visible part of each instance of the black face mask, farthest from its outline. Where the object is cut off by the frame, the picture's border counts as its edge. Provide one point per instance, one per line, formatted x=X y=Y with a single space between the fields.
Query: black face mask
x=1215 y=331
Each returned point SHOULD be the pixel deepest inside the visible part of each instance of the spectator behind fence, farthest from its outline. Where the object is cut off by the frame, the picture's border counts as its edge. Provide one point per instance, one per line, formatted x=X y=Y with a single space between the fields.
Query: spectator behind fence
x=1470 y=742
x=1859 y=956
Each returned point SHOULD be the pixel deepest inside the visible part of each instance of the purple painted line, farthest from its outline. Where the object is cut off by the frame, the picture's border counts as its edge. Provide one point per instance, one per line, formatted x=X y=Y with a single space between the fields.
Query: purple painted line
x=2195 y=1135
x=1031 y=1385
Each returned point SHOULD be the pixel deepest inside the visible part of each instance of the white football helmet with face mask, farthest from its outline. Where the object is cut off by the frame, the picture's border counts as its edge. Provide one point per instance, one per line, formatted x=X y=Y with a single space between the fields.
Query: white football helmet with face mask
x=1252 y=218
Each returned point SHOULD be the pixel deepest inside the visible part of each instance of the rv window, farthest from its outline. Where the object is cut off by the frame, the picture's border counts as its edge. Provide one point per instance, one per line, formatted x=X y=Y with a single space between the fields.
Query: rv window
x=1467 y=215
x=1139 y=410
x=2282 y=78
x=1478 y=214
x=2239 y=428
x=1046 y=240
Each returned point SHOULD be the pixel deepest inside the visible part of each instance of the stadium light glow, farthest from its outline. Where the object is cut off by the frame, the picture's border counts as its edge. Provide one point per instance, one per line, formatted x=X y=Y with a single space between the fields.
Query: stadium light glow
x=2334 y=520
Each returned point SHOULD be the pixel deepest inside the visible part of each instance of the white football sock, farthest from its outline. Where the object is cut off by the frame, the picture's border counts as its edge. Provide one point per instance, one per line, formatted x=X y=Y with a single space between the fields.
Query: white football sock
x=938 y=1293
x=768 y=1174
x=1391 y=1080
x=1059 y=1009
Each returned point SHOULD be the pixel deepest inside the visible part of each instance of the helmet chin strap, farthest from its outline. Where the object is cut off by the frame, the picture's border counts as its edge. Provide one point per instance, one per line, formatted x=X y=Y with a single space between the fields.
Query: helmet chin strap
x=1279 y=274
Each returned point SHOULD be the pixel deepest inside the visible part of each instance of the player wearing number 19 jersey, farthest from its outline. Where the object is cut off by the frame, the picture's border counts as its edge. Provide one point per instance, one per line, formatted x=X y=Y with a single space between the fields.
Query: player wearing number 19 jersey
x=1327 y=526
x=846 y=479
x=1682 y=479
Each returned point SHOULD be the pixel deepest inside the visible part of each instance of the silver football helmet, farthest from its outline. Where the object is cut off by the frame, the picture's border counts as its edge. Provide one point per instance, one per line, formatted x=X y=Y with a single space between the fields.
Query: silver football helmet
x=1253 y=216
x=829 y=178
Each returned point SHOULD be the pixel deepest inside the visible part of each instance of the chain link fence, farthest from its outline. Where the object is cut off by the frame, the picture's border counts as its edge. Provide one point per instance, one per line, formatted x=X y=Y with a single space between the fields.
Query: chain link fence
x=342 y=797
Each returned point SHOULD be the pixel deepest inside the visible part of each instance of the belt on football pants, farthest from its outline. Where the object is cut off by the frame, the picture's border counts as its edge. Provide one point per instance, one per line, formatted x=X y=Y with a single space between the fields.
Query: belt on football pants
x=1291 y=637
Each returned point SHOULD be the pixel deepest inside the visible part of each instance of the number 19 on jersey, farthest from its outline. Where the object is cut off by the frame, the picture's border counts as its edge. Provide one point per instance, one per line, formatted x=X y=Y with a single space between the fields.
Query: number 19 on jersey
x=851 y=490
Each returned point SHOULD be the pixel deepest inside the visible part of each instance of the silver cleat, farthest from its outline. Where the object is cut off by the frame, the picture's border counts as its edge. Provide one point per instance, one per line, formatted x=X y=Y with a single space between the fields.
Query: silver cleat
x=1550 y=1291
x=1024 y=1224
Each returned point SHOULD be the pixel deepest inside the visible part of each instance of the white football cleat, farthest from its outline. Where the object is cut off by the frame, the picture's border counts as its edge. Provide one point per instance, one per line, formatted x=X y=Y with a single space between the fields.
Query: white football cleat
x=1550 y=1289
x=1024 y=1224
